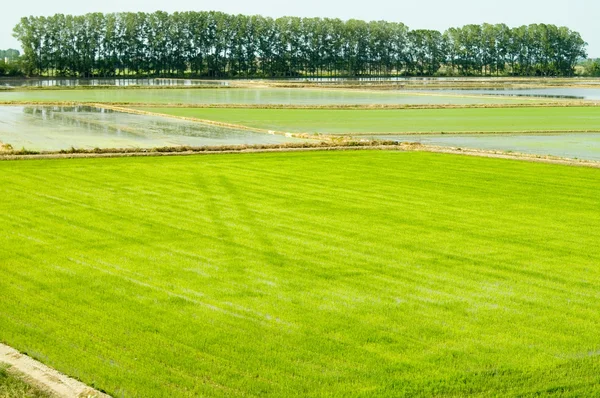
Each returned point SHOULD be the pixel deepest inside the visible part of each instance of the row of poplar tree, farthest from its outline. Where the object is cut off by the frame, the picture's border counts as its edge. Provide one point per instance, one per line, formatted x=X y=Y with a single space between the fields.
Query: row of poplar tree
x=216 y=44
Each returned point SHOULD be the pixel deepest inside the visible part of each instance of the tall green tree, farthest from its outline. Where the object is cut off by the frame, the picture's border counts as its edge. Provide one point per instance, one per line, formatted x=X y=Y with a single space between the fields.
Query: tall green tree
x=216 y=44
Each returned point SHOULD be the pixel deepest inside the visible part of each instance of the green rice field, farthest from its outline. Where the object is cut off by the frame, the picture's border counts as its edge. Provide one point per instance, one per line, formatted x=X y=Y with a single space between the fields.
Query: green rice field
x=362 y=121
x=253 y=96
x=319 y=274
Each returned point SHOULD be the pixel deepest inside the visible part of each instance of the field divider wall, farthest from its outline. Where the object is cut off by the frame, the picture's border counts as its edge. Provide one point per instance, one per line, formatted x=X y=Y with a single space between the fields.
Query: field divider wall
x=49 y=379
x=567 y=104
x=437 y=86
x=204 y=121
x=299 y=147
x=507 y=132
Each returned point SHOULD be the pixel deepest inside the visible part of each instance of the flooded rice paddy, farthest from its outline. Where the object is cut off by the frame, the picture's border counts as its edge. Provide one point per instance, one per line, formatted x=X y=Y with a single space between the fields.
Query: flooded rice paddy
x=261 y=96
x=592 y=94
x=569 y=145
x=56 y=128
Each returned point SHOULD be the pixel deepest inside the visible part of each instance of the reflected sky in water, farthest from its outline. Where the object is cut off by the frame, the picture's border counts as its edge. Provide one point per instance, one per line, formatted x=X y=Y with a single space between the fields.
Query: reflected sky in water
x=55 y=128
x=266 y=96
x=569 y=145
x=559 y=92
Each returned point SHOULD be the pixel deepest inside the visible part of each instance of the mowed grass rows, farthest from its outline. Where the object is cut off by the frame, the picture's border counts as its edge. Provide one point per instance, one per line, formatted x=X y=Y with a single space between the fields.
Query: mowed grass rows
x=402 y=120
x=365 y=273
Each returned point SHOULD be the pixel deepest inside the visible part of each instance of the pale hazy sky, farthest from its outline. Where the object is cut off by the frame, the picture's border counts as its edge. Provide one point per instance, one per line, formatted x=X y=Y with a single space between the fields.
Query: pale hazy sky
x=580 y=15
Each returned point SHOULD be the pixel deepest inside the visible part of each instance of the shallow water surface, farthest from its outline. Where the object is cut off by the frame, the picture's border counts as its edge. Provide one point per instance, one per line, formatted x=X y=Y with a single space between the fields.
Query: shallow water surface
x=592 y=94
x=55 y=128
x=569 y=145
x=265 y=96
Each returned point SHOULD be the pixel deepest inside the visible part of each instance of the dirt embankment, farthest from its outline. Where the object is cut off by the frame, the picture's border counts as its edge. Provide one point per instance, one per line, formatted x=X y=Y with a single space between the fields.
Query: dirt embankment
x=46 y=378
x=322 y=146
x=545 y=104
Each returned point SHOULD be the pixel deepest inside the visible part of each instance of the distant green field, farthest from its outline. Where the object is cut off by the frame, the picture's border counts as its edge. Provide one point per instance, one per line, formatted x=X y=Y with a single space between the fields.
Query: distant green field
x=366 y=274
x=252 y=96
x=404 y=120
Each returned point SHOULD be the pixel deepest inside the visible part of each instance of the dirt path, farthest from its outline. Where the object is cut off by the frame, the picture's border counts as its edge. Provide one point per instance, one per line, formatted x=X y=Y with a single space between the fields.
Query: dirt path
x=46 y=378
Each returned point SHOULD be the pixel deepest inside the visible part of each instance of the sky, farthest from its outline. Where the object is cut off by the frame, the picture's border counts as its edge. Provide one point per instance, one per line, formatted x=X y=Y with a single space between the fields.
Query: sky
x=578 y=15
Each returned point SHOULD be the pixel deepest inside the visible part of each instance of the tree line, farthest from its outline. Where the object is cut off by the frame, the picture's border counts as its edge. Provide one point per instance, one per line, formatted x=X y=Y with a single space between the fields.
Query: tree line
x=215 y=44
x=591 y=67
x=9 y=63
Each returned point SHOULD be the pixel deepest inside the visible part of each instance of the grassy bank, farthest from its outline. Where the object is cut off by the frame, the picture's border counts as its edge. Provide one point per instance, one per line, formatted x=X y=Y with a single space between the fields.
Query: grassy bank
x=360 y=121
x=12 y=386
x=365 y=273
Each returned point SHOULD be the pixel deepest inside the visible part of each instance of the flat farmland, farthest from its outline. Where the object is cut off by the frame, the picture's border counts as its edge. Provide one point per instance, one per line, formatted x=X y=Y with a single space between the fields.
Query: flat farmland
x=264 y=96
x=366 y=273
x=61 y=127
x=364 y=121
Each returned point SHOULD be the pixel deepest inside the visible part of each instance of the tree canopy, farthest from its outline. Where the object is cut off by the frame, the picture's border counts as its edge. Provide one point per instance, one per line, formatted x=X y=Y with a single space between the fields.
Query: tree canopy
x=9 y=62
x=592 y=67
x=10 y=54
x=215 y=44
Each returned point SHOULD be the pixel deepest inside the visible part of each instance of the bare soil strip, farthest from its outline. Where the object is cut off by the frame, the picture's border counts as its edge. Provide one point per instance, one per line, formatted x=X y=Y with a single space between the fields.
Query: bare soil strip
x=45 y=377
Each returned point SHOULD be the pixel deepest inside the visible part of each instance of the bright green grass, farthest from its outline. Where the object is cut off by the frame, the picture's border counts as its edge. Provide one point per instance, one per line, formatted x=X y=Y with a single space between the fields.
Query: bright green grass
x=365 y=273
x=405 y=120
x=13 y=387
x=251 y=96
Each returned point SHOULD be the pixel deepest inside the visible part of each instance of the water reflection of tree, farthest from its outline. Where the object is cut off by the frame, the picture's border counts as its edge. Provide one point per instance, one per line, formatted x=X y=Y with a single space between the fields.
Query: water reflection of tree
x=121 y=124
x=69 y=116
x=109 y=82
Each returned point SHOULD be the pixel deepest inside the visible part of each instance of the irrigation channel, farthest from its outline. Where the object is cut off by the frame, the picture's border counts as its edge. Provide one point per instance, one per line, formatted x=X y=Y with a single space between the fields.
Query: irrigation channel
x=51 y=128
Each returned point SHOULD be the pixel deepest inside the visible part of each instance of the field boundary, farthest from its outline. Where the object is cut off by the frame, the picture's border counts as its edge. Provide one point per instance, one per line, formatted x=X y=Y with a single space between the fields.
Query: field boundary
x=331 y=136
x=565 y=104
x=210 y=122
x=403 y=147
x=191 y=119
x=477 y=132
x=48 y=379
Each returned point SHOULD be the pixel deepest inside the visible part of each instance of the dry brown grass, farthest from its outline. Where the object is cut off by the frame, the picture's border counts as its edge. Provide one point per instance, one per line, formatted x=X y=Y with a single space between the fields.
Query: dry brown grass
x=295 y=147
x=566 y=104
x=103 y=152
